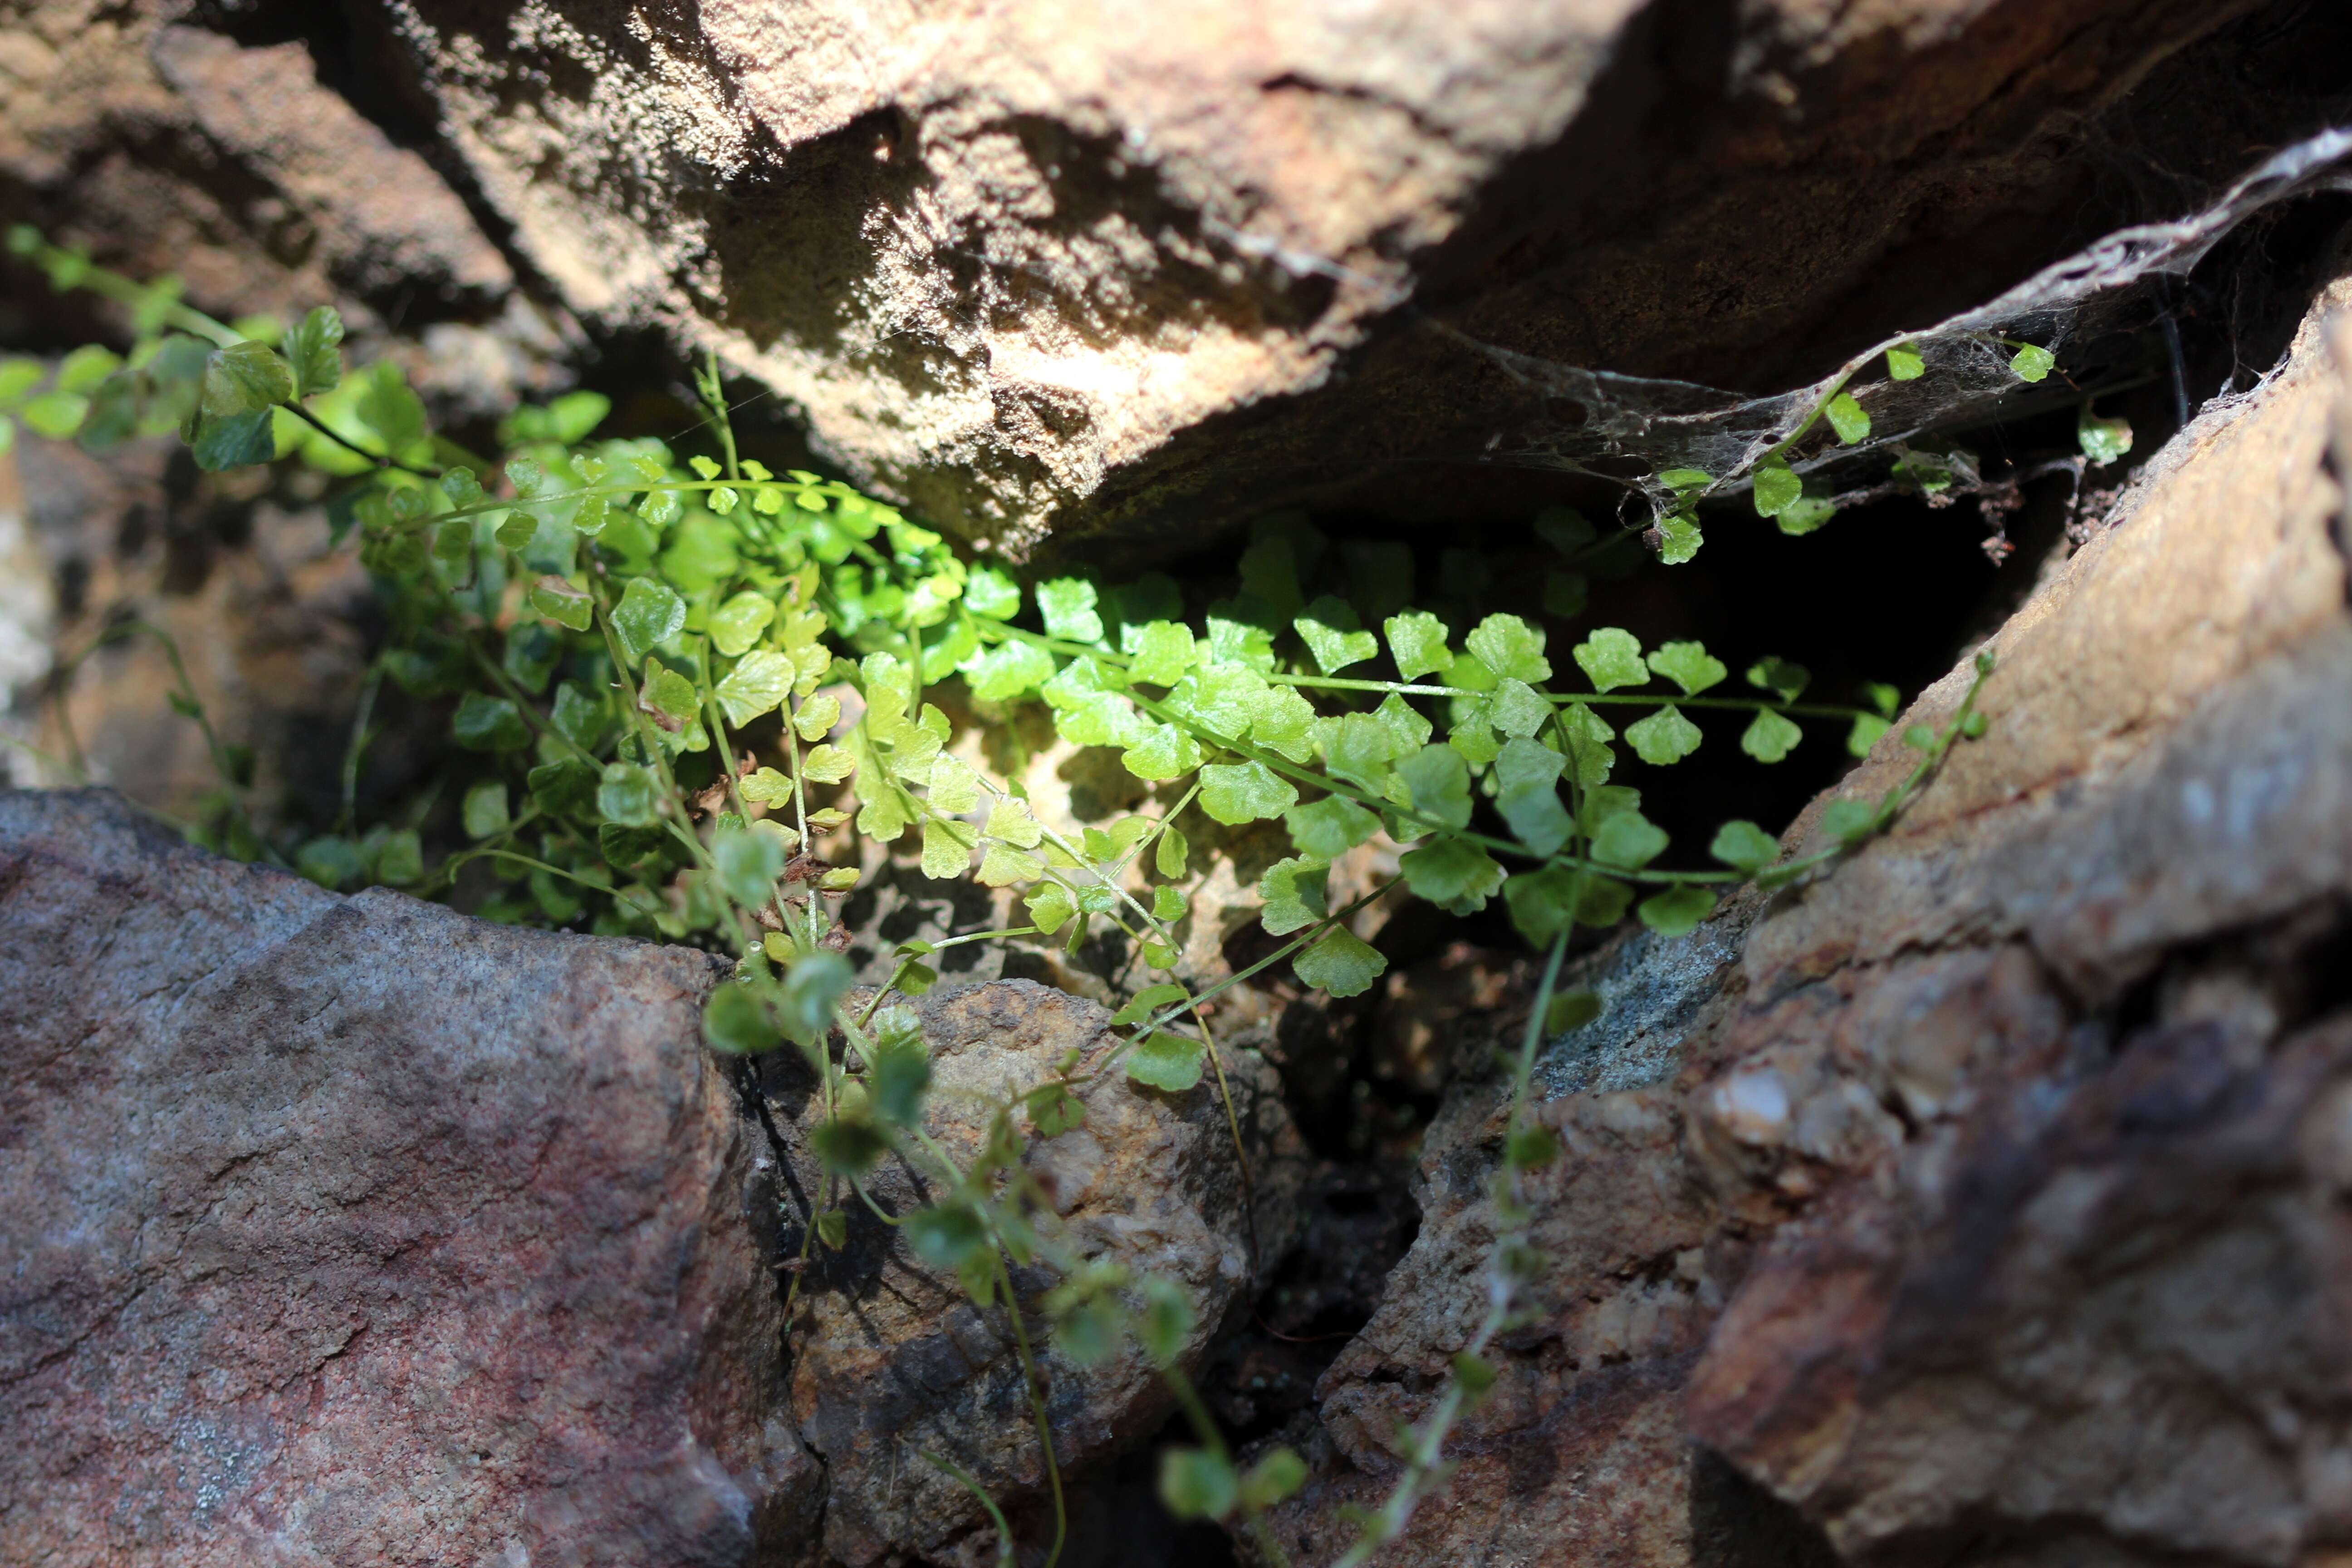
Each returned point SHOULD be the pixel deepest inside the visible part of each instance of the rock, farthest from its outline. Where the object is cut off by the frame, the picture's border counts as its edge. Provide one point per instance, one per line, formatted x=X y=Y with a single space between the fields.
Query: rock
x=383 y=219
x=1035 y=271
x=1988 y=1210
x=351 y=1230
x=890 y=1359
x=266 y=615
x=174 y=149
x=354 y=1230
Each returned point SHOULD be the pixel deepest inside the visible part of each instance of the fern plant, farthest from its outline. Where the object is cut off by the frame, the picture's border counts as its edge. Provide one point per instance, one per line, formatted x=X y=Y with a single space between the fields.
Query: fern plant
x=684 y=676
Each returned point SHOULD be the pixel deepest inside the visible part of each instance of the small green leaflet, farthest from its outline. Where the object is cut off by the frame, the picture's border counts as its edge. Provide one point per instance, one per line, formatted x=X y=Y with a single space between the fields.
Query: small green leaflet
x=1001 y=865
x=2033 y=362
x=552 y=597
x=1689 y=665
x=1904 y=364
x=1145 y=1003
x=1849 y=820
x=1166 y=1061
x=1603 y=902
x=1588 y=735
x=1333 y=635
x=1274 y=1478
x=1629 y=841
x=734 y=1021
x=1663 y=737
x=1678 y=538
x=1769 y=737
x=1163 y=753
x=1543 y=902
x=1781 y=678
x=1439 y=782
x=1049 y=907
x=1341 y=963
x=767 y=787
x=1233 y=794
x=759 y=683
x=988 y=592
x=1744 y=845
x=735 y=625
x=629 y=795
x=1848 y=418
x=1611 y=657
x=486 y=723
x=1327 y=828
x=749 y=864
x=1195 y=1483
x=1518 y=708
x=954 y=786
x=485 y=813
x=1536 y=817
x=1168 y=856
x=1867 y=728
x=1804 y=515
x=1452 y=872
x=1509 y=646
x=314 y=352
x=648 y=614
x=1008 y=670
x=1068 y=605
x=1777 y=487
x=828 y=765
x=2103 y=441
x=813 y=719
x=1294 y=894
x=1009 y=822
x=1564 y=528
x=1685 y=481
x=1676 y=911
x=1159 y=652
x=1417 y=643
x=944 y=854
x=1054 y=1110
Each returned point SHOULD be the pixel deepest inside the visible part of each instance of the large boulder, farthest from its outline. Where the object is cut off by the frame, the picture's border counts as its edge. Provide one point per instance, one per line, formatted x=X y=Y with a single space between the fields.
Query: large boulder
x=354 y=1230
x=1040 y=269
x=1981 y=1201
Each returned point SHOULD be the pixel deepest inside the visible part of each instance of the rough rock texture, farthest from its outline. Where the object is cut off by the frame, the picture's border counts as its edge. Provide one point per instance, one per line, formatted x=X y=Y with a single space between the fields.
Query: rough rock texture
x=173 y=149
x=889 y=1357
x=1989 y=1209
x=351 y=1230
x=1038 y=266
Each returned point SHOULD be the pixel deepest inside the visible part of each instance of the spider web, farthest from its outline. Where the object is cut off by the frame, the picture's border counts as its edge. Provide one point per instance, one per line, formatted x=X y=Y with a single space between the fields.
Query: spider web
x=1631 y=429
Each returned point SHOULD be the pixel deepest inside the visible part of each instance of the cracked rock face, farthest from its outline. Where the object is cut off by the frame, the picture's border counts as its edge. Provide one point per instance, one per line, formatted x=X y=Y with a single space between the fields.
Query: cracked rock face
x=1988 y=1204
x=1049 y=269
x=354 y=1231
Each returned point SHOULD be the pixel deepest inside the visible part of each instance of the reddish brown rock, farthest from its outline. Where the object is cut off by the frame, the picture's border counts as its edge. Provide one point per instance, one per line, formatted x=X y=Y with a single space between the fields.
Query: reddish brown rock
x=351 y=1230
x=1040 y=271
